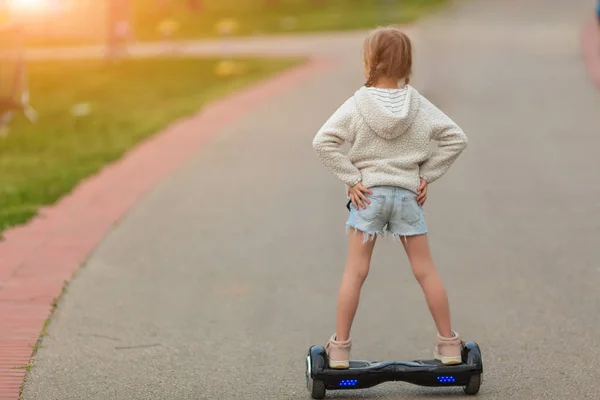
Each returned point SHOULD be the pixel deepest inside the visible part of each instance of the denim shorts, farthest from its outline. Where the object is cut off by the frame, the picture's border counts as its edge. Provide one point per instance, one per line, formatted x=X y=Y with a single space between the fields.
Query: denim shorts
x=393 y=210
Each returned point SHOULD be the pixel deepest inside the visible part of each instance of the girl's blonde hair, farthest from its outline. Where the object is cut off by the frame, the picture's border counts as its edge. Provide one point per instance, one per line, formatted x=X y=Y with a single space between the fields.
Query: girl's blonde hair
x=387 y=51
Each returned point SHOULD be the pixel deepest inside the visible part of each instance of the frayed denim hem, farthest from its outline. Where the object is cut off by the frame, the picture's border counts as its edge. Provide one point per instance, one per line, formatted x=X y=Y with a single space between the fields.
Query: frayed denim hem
x=367 y=236
x=370 y=236
x=405 y=235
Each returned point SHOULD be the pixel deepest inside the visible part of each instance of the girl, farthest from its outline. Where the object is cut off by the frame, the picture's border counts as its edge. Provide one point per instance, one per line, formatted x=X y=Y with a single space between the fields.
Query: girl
x=386 y=171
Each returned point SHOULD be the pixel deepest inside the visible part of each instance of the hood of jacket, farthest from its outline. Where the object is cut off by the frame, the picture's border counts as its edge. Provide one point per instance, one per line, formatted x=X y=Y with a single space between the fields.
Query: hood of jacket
x=383 y=121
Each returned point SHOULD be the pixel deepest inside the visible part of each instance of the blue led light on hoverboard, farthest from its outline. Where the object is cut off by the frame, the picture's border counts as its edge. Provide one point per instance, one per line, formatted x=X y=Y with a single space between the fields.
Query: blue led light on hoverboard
x=446 y=379
x=348 y=382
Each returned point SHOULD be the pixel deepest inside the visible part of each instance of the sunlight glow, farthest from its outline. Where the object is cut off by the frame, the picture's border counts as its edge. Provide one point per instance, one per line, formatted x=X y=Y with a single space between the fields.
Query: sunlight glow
x=27 y=5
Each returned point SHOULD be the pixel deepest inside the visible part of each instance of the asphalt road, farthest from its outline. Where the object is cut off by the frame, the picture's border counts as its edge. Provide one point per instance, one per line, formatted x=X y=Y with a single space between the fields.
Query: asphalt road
x=216 y=284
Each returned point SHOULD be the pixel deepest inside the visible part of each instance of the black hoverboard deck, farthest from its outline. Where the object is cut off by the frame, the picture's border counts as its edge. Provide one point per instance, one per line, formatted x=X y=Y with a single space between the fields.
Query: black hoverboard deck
x=366 y=374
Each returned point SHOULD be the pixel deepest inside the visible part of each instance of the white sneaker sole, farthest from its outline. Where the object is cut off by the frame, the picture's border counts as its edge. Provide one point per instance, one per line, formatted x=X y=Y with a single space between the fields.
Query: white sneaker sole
x=449 y=360
x=339 y=364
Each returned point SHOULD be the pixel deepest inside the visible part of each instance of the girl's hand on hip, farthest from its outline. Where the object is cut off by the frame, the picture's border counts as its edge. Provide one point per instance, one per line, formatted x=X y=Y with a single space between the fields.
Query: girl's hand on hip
x=357 y=195
x=422 y=192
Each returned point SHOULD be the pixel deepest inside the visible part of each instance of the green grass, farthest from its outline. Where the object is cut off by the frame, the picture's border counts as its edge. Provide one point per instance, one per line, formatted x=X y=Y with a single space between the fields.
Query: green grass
x=307 y=15
x=39 y=163
x=272 y=16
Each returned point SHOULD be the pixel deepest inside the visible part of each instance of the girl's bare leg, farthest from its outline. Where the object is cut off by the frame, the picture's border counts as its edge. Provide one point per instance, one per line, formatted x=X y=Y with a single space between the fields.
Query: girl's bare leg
x=357 y=269
x=419 y=254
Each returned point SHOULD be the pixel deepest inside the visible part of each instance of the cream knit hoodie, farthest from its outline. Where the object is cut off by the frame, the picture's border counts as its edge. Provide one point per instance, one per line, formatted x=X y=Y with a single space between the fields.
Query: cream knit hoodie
x=388 y=149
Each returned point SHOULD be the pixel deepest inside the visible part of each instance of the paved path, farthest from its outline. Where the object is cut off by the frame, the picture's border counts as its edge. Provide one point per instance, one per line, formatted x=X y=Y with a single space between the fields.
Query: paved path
x=214 y=286
x=273 y=45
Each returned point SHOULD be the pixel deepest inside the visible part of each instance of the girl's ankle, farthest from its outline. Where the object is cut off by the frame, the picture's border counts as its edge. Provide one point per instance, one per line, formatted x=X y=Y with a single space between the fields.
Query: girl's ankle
x=447 y=335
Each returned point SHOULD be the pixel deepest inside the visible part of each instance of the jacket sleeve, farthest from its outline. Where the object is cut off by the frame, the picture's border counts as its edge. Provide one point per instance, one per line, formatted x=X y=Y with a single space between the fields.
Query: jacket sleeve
x=337 y=130
x=451 y=142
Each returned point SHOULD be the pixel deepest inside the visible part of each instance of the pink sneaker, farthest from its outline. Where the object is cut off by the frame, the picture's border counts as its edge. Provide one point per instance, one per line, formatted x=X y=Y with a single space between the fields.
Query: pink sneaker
x=449 y=350
x=338 y=353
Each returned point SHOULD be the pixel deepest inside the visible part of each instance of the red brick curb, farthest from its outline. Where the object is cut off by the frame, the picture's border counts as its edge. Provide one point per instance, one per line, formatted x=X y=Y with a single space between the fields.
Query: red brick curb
x=37 y=258
x=590 y=43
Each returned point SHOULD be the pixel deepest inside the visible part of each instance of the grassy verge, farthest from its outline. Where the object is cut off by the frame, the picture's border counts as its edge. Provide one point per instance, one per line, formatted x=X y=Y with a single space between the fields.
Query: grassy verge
x=282 y=16
x=91 y=113
x=267 y=16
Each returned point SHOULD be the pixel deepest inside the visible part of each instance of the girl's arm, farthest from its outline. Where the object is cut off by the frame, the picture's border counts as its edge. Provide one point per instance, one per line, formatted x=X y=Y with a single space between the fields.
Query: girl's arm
x=451 y=142
x=337 y=130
